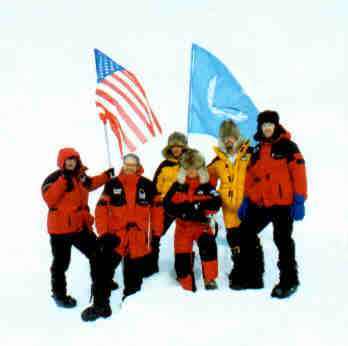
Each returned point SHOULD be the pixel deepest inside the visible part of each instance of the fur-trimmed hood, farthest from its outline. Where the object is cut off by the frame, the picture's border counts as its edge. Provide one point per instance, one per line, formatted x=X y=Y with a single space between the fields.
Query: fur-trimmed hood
x=192 y=158
x=176 y=138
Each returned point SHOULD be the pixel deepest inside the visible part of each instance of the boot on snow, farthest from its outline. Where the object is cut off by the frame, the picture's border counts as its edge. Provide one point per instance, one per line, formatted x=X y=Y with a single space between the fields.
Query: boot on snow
x=210 y=285
x=64 y=301
x=94 y=312
x=281 y=292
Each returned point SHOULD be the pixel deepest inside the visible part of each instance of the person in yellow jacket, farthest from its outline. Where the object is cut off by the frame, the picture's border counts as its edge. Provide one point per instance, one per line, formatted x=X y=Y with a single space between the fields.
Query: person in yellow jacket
x=165 y=176
x=229 y=169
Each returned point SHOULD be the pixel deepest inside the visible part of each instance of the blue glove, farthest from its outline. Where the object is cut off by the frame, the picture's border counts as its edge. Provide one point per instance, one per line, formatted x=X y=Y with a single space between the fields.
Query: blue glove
x=297 y=211
x=243 y=209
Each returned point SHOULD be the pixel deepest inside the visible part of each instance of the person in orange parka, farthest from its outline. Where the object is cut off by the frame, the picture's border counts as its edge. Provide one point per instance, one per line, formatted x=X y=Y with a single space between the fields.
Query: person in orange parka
x=125 y=219
x=275 y=192
x=191 y=200
x=69 y=222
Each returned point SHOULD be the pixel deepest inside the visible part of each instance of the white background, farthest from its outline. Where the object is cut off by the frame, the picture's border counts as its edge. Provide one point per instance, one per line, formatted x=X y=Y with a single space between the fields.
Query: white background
x=288 y=55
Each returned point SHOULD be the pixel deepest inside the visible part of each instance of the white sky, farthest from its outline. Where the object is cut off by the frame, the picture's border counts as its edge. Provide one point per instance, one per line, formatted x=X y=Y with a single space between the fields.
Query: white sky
x=288 y=55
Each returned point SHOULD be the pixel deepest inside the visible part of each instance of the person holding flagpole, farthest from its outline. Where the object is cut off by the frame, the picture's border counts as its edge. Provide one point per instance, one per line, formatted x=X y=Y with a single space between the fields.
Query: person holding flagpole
x=229 y=168
x=69 y=221
x=125 y=213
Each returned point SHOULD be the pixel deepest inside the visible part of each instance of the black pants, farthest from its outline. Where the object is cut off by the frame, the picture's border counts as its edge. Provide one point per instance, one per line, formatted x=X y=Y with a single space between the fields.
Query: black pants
x=132 y=275
x=258 y=218
x=85 y=241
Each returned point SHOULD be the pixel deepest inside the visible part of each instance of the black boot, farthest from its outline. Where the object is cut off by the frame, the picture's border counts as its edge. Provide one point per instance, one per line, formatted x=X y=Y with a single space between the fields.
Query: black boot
x=59 y=294
x=288 y=283
x=64 y=301
x=100 y=307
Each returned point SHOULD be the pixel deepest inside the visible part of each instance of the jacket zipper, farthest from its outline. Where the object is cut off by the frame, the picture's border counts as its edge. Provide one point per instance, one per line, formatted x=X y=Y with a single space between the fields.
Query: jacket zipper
x=280 y=191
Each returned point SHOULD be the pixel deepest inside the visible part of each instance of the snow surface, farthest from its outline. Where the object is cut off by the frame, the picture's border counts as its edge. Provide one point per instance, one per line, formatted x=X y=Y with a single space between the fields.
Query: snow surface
x=289 y=56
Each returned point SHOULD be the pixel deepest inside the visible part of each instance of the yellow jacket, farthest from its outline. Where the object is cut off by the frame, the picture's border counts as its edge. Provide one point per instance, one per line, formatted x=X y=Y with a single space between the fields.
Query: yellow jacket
x=166 y=175
x=231 y=176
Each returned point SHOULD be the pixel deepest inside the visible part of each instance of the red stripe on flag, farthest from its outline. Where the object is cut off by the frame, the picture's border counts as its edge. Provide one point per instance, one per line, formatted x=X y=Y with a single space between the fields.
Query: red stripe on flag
x=129 y=88
x=148 y=124
x=117 y=129
x=123 y=114
x=134 y=79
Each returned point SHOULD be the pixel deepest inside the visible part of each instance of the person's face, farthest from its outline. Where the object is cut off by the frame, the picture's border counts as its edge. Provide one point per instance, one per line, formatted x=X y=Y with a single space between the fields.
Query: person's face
x=177 y=151
x=70 y=163
x=192 y=173
x=130 y=166
x=268 y=129
x=229 y=142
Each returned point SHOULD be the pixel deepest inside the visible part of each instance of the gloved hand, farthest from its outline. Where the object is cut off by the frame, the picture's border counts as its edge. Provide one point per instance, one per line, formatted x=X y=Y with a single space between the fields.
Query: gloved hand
x=195 y=212
x=85 y=180
x=297 y=211
x=243 y=209
x=68 y=175
x=108 y=242
x=110 y=172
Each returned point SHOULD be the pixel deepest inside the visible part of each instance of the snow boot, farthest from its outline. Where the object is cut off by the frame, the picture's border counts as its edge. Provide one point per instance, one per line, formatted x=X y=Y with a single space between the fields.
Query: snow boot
x=210 y=285
x=288 y=282
x=94 y=312
x=101 y=302
x=64 y=301
x=281 y=292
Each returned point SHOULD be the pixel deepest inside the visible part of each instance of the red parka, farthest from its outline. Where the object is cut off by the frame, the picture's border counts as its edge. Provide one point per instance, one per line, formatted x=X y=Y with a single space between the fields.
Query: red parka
x=68 y=210
x=129 y=210
x=276 y=172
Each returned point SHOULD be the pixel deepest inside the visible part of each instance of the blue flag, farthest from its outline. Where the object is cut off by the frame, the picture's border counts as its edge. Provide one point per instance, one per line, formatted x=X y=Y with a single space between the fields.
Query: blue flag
x=215 y=95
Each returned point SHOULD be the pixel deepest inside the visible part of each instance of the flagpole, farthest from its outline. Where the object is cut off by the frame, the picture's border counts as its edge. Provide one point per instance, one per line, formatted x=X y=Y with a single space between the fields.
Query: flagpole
x=190 y=89
x=107 y=144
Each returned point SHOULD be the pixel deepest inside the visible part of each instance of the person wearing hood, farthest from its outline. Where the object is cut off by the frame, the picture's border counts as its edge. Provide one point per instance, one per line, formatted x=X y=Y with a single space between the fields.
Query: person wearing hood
x=125 y=222
x=229 y=168
x=191 y=201
x=69 y=221
x=275 y=192
x=165 y=175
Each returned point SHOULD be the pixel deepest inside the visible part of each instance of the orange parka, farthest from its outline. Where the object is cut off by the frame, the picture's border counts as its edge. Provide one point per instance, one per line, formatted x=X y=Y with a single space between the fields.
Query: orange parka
x=276 y=172
x=128 y=209
x=68 y=208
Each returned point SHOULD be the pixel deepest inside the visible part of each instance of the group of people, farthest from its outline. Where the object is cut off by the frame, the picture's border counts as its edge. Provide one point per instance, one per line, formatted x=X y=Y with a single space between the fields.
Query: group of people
x=254 y=186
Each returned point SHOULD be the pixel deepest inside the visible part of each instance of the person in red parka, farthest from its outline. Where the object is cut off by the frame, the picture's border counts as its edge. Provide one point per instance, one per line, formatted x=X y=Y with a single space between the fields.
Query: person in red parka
x=69 y=221
x=191 y=200
x=275 y=192
x=126 y=220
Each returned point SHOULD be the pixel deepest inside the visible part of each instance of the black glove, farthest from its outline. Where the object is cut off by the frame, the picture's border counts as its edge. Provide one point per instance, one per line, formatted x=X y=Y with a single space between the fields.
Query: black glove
x=68 y=175
x=108 y=242
x=110 y=172
x=85 y=180
x=192 y=212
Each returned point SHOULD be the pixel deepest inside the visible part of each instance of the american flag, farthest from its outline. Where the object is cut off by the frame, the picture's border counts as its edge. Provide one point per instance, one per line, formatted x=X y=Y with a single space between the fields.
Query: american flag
x=122 y=101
